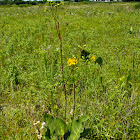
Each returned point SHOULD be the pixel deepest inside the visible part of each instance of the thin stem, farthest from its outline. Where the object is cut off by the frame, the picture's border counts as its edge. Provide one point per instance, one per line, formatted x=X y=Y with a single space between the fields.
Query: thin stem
x=61 y=51
x=74 y=93
x=133 y=61
x=81 y=76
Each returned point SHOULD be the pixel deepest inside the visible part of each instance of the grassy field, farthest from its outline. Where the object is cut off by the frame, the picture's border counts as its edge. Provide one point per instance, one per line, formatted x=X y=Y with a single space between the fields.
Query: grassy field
x=31 y=77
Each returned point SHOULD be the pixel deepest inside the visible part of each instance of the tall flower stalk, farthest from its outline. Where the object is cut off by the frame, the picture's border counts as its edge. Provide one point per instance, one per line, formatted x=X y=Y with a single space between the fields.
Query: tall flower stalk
x=57 y=24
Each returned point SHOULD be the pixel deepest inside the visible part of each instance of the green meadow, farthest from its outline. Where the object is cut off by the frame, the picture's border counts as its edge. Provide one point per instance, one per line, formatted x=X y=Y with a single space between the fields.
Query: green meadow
x=31 y=79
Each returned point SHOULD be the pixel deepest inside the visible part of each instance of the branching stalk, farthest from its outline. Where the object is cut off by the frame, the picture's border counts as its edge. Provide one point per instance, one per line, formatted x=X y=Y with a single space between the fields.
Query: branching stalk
x=57 y=24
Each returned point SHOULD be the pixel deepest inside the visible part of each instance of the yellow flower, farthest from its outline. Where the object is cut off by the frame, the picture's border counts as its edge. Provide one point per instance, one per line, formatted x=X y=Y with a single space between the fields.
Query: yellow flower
x=72 y=61
x=83 y=57
x=57 y=5
x=45 y=9
x=93 y=58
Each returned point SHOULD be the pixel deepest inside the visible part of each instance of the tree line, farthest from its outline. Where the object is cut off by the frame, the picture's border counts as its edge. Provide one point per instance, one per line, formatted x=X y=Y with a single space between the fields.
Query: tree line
x=18 y=2
x=35 y=2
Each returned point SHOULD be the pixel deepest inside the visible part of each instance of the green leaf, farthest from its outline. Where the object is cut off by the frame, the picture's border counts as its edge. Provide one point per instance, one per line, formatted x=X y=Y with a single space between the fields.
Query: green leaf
x=68 y=130
x=99 y=60
x=128 y=77
x=131 y=30
x=50 y=122
x=60 y=125
x=83 y=118
x=85 y=54
x=77 y=128
x=68 y=126
x=55 y=125
x=47 y=134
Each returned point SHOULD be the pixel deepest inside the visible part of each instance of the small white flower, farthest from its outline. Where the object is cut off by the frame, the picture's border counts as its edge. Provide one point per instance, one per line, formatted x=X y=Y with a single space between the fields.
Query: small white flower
x=43 y=125
x=36 y=123
x=57 y=49
x=71 y=112
x=39 y=136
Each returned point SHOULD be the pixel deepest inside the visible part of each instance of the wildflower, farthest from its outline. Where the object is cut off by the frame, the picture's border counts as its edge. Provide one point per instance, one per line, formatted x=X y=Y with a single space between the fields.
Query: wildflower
x=71 y=112
x=57 y=5
x=83 y=57
x=80 y=115
x=72 y=61
x=43 y=125
x=36 y=123
x=93 y=58
x=39 y=136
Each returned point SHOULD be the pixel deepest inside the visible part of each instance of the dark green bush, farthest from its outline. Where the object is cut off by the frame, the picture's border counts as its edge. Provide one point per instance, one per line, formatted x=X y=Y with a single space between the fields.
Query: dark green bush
x=24 y=5
x=3 y=2
x=137 y=6
x=32 y=3
x=21 y=2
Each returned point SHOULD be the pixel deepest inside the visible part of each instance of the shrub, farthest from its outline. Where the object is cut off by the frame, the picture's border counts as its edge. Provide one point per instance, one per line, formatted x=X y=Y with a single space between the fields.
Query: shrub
x=23 y=5
x=137 y=6
x=32 y=3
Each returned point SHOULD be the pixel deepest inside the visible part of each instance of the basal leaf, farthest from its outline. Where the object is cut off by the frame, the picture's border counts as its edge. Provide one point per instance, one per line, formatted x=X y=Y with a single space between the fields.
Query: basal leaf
x=75 y=130
x=60 y=126
x=47 y=134
x=50 y=121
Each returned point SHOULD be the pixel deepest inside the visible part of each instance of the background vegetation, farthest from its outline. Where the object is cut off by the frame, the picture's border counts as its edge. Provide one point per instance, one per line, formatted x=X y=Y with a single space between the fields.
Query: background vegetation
x=30 y=69
x=36 y=2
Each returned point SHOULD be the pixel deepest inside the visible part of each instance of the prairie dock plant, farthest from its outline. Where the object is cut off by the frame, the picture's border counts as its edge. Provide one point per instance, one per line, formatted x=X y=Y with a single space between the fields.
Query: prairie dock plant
x=63 y=130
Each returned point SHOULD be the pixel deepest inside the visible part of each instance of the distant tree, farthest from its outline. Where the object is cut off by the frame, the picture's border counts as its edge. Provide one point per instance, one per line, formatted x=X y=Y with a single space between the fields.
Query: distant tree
x=17 y=0
x=44 y=0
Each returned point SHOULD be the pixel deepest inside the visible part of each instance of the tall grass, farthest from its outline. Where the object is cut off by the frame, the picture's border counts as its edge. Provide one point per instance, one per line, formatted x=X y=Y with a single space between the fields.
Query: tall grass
x=30 y=66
